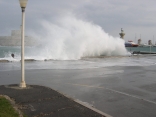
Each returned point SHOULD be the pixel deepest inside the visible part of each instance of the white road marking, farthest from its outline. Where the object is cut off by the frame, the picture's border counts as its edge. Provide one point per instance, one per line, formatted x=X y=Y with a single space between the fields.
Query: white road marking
x=116 y=92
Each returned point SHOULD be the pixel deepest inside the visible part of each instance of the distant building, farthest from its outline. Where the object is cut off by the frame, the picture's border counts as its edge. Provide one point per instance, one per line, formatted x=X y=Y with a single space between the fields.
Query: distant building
x=122 y=34
x=139 y=41
x=15 y=39
x=149 y=42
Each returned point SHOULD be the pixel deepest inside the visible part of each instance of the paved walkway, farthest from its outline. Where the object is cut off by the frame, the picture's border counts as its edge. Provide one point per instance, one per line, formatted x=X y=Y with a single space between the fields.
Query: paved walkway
x=40 y=101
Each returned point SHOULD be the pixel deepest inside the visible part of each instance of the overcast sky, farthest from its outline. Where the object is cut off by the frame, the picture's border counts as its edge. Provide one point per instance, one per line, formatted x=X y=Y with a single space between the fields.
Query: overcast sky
x=136 y=17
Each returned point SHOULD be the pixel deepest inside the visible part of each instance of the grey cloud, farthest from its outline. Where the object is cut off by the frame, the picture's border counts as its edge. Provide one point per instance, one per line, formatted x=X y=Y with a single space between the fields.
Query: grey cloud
x=134 y=16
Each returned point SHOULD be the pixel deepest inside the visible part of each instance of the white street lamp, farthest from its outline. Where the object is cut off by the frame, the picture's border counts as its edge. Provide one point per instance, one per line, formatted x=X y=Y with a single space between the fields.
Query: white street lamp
x=23 y=4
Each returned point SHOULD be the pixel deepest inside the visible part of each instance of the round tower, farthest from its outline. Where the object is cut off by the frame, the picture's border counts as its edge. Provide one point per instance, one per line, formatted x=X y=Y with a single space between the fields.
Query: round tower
x=149 y=42
x=122 y=34
x=139 y=41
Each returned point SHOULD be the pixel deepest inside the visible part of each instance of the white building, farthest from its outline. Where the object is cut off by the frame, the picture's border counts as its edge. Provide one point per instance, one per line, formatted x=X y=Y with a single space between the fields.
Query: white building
x=15 y=39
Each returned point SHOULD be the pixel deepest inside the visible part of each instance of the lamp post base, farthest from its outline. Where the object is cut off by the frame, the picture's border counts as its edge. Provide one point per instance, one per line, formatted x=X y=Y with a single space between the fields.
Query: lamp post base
x=22 y=84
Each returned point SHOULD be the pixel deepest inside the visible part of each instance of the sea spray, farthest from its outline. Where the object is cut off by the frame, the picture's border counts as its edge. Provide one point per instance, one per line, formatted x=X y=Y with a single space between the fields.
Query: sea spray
x=69 y=38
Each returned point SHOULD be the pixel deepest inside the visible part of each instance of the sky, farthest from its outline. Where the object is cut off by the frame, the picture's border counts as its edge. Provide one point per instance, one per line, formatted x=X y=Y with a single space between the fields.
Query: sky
x=136 y=17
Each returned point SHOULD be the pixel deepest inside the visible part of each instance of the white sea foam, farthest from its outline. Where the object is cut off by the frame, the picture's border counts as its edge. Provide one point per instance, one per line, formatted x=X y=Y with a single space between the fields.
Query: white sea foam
x=69 y=38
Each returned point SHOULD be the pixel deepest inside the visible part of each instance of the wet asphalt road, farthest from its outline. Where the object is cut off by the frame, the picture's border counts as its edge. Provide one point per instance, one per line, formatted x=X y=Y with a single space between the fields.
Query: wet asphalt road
x=121 y=91
x=40 y=101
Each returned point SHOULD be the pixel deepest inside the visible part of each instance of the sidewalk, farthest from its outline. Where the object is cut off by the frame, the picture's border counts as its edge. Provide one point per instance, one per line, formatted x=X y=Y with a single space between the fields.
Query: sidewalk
x=40 y=101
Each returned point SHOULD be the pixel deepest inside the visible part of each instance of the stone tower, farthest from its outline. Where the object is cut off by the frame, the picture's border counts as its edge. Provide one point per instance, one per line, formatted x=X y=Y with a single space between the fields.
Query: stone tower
x=122 y=34
x=149 y=42
x=139 y=41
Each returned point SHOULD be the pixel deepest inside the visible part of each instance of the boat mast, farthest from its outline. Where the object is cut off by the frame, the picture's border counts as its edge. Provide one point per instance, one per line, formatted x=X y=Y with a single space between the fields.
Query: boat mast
x=153 y=40
x=135 y=38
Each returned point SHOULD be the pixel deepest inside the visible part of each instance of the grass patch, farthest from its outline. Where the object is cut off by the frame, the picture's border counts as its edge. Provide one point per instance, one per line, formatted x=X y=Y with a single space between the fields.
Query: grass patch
x=6 y=109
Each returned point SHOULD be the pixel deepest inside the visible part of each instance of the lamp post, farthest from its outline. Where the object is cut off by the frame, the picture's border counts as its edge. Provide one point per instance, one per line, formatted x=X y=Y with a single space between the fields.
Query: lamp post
x=23 y=4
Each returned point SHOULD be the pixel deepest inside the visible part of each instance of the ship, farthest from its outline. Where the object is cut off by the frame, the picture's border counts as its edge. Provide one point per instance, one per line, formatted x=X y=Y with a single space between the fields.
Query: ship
x=131 y=44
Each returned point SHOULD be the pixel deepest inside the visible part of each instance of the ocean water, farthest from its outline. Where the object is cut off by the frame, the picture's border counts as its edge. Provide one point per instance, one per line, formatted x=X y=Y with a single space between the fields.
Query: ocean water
x=72 y=50
x=68 y=38
x=74 y=42
x=6 y=51
x=82 y=63
x=145 y=49
x=85 y=63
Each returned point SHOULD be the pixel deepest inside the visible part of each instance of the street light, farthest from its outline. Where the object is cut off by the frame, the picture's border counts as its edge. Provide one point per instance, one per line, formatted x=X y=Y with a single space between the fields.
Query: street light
x=23 y=4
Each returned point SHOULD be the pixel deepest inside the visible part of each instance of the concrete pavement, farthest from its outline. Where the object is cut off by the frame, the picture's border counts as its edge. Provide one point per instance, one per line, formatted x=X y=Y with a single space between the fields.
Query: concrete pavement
x=40 y=101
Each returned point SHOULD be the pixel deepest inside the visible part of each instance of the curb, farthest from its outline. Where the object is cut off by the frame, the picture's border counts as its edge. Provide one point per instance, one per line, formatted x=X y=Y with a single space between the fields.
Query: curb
x=92 y=108
x=84 y=104
x=12 y=102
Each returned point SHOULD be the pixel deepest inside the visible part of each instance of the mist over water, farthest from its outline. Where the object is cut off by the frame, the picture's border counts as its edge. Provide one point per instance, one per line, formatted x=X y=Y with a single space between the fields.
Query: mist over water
x=69 y=38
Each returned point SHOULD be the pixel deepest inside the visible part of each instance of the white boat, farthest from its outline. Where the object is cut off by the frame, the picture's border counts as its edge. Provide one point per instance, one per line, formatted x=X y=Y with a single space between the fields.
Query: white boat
x=131 y=44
